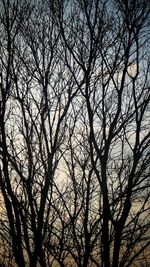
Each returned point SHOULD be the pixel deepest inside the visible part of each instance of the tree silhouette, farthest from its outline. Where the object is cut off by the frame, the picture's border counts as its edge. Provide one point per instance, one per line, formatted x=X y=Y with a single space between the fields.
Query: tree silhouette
x=74 y=133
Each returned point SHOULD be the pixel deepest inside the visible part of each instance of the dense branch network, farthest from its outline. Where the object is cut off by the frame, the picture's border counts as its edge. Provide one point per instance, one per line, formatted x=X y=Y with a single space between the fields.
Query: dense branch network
x=74 y=133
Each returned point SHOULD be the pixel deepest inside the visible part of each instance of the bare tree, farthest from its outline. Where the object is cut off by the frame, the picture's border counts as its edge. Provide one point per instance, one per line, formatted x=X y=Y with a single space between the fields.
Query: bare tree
x=110 y=47
x=36 y=93
x=74 y=136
